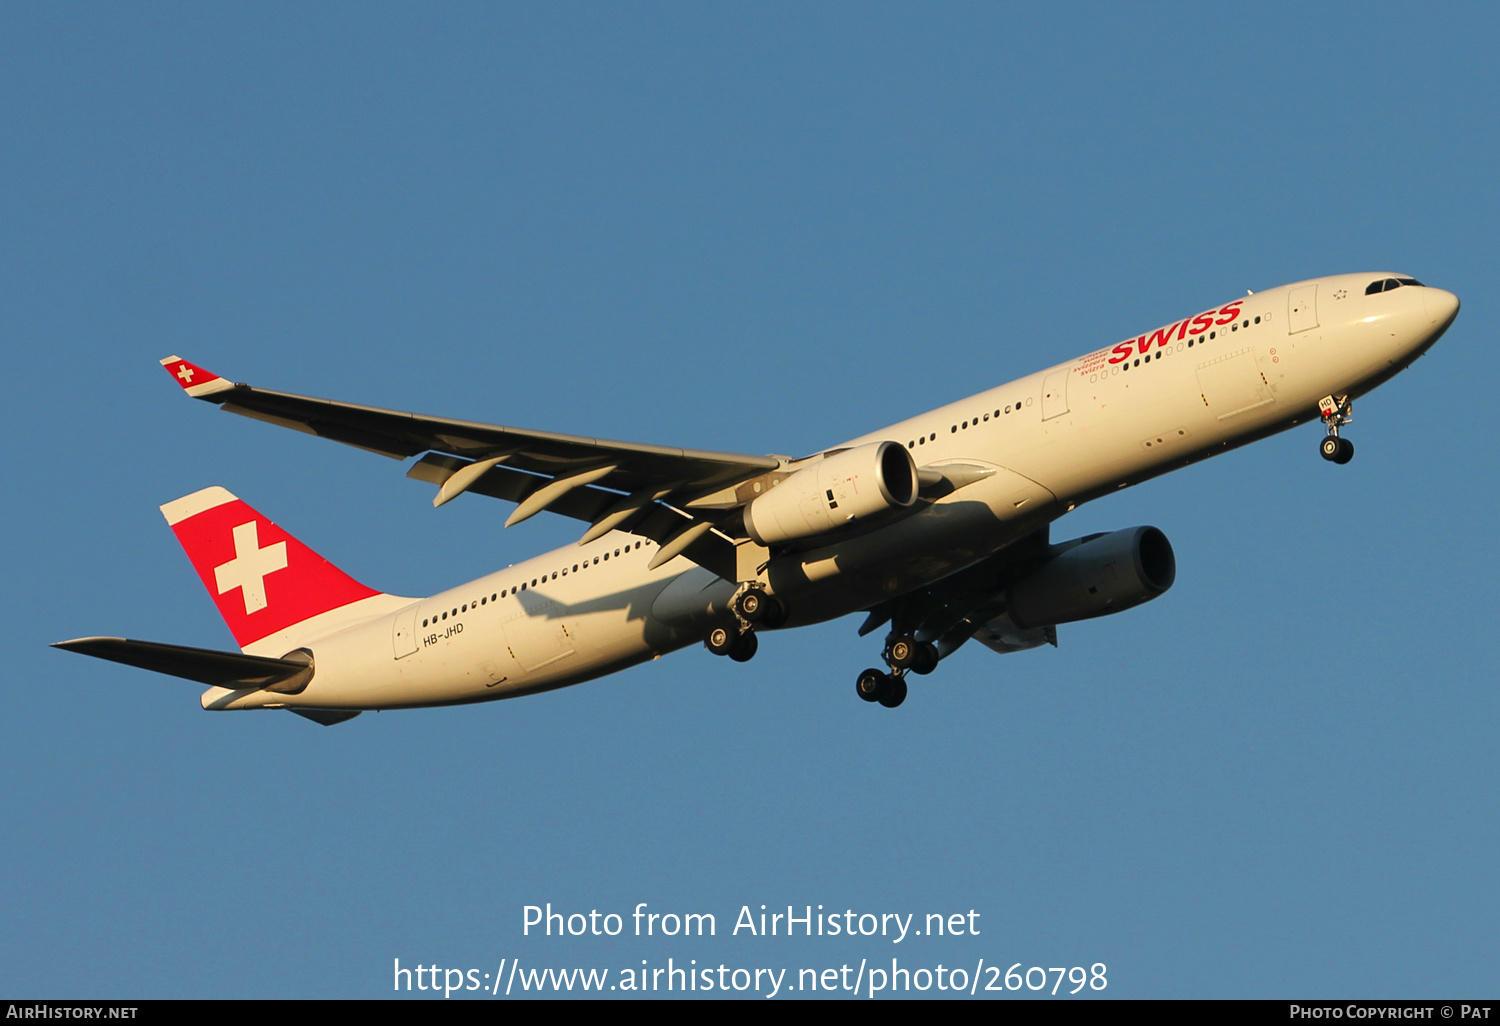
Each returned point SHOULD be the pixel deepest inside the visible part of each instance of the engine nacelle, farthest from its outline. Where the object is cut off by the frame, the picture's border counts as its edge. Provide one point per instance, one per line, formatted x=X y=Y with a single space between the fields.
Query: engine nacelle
x=835 y=491
x=1095 y=578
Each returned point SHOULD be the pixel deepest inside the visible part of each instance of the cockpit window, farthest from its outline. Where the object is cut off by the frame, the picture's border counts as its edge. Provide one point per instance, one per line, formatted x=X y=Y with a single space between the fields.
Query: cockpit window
x=1386 y=284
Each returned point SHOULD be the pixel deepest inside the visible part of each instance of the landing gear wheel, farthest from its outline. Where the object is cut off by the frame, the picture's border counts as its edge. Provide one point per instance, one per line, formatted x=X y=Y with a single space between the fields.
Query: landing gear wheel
x=775 y=614
x=1336 y=449
x=744 y=647
x=895 y=692
x=871 y=685
x=753 y=604
x=722 y=640
x=901 y=653
x=1336 y=411
x=926 y=659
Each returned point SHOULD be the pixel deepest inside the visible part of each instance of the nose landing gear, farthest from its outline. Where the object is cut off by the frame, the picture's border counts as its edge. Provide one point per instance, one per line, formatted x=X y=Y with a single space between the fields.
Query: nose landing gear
x=1336 y=411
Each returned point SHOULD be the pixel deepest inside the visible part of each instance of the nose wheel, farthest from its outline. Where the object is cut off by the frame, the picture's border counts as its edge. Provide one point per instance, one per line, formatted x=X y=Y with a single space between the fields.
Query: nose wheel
x=1336 y=449
x=1336 y=411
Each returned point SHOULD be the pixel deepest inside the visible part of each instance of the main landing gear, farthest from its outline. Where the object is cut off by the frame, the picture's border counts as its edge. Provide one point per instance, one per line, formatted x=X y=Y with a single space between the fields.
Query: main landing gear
x=1336 y=411
x=903 y=653
x=752 y=608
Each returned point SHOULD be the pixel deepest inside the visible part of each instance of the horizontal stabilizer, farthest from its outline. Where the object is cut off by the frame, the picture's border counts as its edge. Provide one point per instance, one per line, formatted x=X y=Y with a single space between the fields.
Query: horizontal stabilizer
x=204 y=665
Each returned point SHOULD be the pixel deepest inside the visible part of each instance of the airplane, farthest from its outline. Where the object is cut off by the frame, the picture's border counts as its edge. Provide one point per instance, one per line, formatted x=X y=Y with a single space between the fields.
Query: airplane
x=937 y=527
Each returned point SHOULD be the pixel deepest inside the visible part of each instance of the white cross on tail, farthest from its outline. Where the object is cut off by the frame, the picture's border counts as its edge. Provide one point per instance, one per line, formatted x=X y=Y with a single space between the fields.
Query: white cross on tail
x=249 y=567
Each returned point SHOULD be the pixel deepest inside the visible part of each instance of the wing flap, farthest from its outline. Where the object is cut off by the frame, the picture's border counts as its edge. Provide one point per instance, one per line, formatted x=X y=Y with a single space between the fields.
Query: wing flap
x=657 y=521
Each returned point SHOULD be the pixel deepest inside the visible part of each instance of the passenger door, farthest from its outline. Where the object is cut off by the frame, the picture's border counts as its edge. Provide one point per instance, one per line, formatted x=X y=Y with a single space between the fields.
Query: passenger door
x=404 y=631
x=1302 y=309
x=1055 y=395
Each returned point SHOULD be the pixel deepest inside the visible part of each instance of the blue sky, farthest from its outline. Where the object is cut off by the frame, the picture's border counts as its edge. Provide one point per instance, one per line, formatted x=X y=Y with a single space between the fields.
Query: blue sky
x=758 y=228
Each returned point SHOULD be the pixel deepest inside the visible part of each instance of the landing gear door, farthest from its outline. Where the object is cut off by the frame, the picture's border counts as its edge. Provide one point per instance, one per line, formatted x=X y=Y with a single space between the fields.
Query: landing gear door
x=1302 y=309
x=1055 y=395
x=404 y=632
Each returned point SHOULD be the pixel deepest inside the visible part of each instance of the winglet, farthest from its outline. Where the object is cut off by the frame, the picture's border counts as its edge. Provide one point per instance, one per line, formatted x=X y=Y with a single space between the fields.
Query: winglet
x=195 y=381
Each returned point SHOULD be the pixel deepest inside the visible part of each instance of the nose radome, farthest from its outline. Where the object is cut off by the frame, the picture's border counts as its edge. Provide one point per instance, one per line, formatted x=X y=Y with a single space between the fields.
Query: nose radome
x=1441 y=305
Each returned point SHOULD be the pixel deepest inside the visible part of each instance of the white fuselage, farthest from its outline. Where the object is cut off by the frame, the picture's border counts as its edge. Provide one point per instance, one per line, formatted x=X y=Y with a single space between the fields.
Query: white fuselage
x=1053 y=440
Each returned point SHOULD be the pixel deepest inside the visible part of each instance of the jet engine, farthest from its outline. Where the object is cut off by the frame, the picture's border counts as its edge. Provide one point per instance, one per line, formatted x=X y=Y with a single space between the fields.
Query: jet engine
x=1095 y=577
x=837 y=490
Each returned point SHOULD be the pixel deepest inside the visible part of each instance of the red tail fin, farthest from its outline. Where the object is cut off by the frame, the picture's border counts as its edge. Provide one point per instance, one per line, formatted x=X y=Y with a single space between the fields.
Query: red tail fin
x=262 y=579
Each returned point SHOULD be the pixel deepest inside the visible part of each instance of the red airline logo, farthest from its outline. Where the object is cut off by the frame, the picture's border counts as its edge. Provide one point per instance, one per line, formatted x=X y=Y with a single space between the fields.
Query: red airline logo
x=262 y=579
x=1176 y=331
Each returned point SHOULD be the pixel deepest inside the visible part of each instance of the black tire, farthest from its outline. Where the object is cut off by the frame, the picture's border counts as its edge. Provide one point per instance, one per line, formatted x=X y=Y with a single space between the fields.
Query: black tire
x=775 y=614
x=901 y=653
x=1330 y=448
x=871 y=685
x=744 y=649
x=752 y=605
x=927 y=658
x=721 y=640
x=1346 y=451
x=895 y=693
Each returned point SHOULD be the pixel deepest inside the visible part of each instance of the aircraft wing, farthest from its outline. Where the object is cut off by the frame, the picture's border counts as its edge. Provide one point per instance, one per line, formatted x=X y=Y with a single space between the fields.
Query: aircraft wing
x=612 y=485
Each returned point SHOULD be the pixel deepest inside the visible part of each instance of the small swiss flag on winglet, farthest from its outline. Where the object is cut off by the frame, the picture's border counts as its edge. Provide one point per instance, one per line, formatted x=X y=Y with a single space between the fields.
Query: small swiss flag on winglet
x=194 y=379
